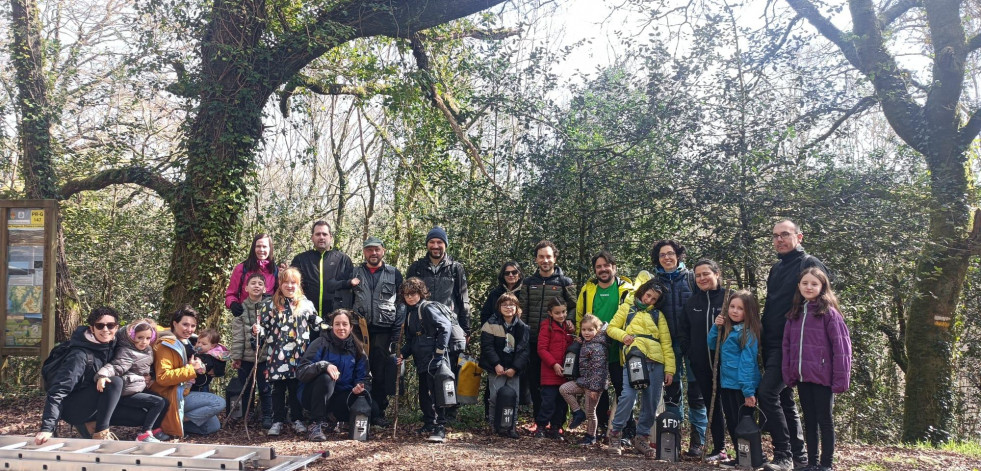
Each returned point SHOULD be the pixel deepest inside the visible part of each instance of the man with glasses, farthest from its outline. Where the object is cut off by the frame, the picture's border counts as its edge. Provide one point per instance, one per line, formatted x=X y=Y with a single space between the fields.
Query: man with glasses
x=776 y=400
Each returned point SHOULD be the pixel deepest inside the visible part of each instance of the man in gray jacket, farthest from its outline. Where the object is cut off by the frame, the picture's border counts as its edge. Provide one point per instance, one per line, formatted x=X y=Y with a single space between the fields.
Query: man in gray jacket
x=376 y=302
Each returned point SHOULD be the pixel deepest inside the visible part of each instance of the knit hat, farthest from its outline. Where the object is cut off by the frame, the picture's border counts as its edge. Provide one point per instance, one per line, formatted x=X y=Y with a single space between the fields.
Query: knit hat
x=437 y=233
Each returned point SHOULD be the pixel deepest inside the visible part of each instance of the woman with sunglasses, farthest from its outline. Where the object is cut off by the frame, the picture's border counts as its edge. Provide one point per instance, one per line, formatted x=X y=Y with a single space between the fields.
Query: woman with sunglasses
x=509 y=280
x=73 y=396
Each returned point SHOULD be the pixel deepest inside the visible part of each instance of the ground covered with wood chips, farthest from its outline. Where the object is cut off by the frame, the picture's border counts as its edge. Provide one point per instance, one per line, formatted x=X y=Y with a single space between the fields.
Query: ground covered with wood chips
x=473 y=448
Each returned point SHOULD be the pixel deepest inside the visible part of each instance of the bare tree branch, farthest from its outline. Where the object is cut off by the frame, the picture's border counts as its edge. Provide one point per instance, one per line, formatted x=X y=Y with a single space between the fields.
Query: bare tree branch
x=970 y=130
x=324 y=88
x=824 y=26
x=130 y=175
x=974 y=43
x=862 y=105
x=896 y=10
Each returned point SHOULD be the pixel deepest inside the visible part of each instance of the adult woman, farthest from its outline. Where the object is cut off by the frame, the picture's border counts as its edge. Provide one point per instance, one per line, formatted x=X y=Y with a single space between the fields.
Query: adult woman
x=509 y=281
x=668 y=257
x=260 y=260
x=72 y=396
x=332 y=372
x=700 y=312
x=176 y=368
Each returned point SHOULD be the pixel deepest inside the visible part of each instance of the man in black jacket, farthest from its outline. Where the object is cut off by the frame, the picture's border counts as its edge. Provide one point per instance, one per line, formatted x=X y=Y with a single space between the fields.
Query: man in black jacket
x=446 y=281
x=376 y=301
x=326 y=272
x=546 y=283
x=775 y=399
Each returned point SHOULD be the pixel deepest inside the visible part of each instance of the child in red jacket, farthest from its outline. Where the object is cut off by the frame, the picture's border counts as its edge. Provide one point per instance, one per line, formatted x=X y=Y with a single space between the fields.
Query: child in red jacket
x=554 y=337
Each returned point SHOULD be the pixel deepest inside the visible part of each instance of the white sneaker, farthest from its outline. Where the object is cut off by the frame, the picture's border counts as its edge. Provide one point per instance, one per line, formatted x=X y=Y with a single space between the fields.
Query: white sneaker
x=298 y=427
x=275 y=430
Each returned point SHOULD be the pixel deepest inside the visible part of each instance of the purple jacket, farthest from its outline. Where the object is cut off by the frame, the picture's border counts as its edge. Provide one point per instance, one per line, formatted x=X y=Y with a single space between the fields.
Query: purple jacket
x=817 y=349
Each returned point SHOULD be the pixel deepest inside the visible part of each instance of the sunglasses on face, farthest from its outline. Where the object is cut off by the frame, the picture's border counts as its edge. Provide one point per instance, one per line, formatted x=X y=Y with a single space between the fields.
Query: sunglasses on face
x=511 y=272
x=105 y=326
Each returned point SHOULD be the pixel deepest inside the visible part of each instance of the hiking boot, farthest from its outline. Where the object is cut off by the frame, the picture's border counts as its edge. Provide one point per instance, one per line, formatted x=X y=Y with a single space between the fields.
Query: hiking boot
x=780 y=462
x=800 y=461
x=717 y=457
x=438 y=435
x=694 y=452
x=104 y=435
x=615 y=445
x=267 y=422
x=298 y=426
x=160 y=435
x=316 y=433
x=275 y=429
x=642 y=445
x=588 y=440
x=578 y=417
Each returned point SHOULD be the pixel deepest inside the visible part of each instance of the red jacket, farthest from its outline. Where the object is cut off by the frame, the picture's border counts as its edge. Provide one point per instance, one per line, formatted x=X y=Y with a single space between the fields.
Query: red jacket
x=553 y=340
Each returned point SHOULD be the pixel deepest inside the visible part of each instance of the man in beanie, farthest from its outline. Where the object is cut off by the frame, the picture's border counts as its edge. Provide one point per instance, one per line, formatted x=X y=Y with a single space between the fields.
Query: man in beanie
x=325 y=272
x=376 y=301
x=447 y=283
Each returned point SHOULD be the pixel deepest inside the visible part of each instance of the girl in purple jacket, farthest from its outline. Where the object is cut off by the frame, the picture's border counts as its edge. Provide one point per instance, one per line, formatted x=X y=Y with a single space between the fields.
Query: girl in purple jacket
x=817 y=358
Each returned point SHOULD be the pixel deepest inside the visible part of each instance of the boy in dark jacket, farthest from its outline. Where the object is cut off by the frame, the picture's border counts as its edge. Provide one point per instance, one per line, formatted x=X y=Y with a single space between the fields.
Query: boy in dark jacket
x=504 y=352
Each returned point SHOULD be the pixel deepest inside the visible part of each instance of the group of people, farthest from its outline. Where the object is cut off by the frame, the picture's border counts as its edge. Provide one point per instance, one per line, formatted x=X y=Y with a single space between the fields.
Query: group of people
x=314 y=336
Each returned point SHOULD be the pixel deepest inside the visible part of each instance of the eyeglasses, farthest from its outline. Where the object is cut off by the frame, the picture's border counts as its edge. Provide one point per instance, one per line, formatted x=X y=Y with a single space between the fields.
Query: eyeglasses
x=666 y=255
x=511 y=272
x=783 y=235
x=105 y=325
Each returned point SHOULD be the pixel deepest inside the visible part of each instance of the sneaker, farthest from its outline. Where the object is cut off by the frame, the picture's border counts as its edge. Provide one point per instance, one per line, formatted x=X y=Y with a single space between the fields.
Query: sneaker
x=780 y=463
x=615 y=445
x=298 y=426
x=438 y=435
x=578 y=417
x=275 y=429
x=267 y=422
x=160 y=435
x=732 y=463
x=531 y=428
x=694 y=452
x=555 y=435
x=588 y=440
x=316 y=433
x=425 y=429
x=800 y=461
x=642 y=445
x=540 y=433
x=147 y=437
x=717 y=458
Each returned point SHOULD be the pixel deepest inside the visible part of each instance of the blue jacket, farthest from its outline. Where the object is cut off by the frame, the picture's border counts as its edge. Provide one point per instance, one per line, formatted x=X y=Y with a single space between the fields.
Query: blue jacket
x=343 y=354
x=739 y=369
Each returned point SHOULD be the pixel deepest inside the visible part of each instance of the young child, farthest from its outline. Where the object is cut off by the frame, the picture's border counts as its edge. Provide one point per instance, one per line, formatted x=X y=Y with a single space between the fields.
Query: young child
x=243 y=351
x=593 y=377
x=131 y=364
x=817 y=358
x=427 y=339
x=739 y=371
x=288 y=323
x=504 y=352
x=214 y=355
x=639 y=325
x=554 y=337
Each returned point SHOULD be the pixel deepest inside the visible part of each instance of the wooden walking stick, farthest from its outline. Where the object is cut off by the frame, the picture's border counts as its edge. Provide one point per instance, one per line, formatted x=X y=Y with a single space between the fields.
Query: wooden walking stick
x=398 y=382
x=715 y=362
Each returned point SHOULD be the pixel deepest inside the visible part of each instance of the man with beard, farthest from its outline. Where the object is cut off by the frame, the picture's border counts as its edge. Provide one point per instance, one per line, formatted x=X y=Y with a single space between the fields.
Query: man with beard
x=325 y=272
x=376 y=288
x=601 y=296
x=446 y=281
x=546 y=283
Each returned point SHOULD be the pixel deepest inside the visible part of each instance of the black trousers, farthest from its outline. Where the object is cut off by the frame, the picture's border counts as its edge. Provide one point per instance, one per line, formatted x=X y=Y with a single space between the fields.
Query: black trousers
x=717 y=424
x=818 y=402
x=283 y=393
x=431 y=415
x=378 y=359
x=732 y=404
x=321 y=398
x=553 y=409
x=776 y=401
x=532 y=378
x=112 y=408
x=262 y=384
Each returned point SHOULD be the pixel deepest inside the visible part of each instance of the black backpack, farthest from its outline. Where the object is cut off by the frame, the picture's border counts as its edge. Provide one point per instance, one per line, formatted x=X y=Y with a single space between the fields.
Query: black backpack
x=49 y=369
x=458 y=338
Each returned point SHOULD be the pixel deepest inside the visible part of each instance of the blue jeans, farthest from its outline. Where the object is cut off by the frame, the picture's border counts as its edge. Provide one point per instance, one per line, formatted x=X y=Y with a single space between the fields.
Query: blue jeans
x=648 y=406
x=201 y=411
x=674 y=397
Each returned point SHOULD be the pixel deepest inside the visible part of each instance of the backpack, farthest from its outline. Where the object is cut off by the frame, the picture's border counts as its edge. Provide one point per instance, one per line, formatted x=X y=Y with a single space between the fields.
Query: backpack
x=49 y=369
x=458 y=339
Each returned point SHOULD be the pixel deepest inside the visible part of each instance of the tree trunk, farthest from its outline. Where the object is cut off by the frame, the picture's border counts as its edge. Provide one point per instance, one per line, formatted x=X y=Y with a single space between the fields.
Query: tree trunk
x=34 y=133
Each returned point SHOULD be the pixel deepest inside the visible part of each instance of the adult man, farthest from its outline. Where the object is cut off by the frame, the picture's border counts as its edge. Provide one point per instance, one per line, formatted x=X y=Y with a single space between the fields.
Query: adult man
x=376 y=288
x=775 y=399
x=446 y=281
x=546 y=283
x=601 y=296
x=668 y=258
x=326 y=272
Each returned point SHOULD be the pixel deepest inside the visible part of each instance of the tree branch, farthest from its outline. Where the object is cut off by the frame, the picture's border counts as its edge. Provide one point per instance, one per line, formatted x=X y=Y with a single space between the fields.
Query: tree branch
x=862 y=105
x=824 y=26
x=970 y=130
x=141 y=176
x=494 y=34
x=897 y=347
x=974 y=43
x=324 y=88
x=898 y=9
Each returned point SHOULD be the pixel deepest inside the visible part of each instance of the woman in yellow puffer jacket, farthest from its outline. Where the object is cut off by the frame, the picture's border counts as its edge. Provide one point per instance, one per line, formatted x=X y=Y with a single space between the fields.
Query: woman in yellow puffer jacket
x=639 y=325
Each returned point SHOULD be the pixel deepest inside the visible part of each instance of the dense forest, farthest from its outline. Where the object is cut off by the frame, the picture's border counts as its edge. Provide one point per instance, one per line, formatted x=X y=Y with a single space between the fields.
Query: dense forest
x=172 y=131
